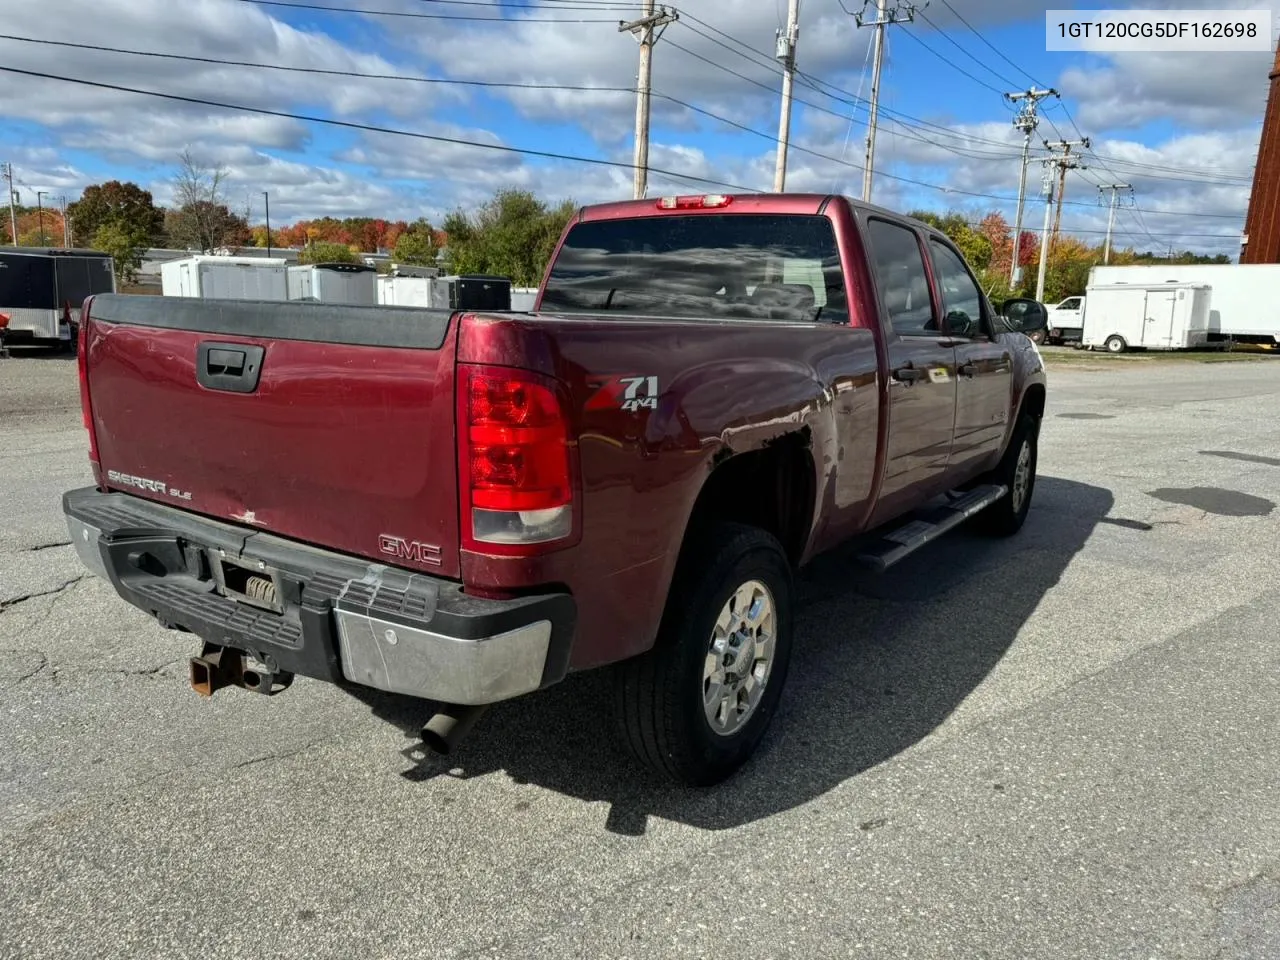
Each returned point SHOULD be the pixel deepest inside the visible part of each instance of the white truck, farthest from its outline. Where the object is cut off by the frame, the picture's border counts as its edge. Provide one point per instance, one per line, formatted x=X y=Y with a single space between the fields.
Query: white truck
x=1244 y=304
x=1065 y=322
x=1157 y=316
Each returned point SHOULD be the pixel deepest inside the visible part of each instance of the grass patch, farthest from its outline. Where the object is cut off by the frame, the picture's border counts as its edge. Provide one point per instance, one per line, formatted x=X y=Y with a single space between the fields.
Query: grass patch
x=1067 y=356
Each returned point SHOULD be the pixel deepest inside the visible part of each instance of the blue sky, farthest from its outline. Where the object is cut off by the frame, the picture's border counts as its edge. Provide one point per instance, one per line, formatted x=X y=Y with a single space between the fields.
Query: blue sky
x=1182 y=128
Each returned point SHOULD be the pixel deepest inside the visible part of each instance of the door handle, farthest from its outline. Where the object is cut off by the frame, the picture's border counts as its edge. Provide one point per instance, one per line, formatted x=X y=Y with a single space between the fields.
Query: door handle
x=234 y=367
x=968 y=369
x=908 y=374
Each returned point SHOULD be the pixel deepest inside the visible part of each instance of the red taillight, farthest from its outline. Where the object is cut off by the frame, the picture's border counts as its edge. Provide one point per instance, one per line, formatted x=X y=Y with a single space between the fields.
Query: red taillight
x=516 y=458
x=82 y=364
x=702 y=202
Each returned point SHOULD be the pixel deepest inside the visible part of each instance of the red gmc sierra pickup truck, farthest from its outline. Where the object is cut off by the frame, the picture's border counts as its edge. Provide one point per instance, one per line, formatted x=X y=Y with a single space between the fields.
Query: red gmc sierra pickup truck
x=464 y=507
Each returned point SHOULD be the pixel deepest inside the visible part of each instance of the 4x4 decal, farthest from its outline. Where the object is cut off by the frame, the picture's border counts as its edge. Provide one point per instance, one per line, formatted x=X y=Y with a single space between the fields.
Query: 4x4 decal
x=630 y=393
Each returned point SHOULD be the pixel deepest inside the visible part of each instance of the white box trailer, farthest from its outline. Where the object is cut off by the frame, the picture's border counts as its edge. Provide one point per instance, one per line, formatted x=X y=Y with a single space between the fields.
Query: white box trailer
x=1243 y=306
x=404 y=291
x=225 y=278
x=349 y=283
x=522 y=299
x=1157 y=316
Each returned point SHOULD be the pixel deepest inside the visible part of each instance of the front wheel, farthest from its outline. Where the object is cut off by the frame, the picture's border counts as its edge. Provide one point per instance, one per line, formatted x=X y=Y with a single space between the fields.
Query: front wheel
x=1017 y=474
x=693 y=709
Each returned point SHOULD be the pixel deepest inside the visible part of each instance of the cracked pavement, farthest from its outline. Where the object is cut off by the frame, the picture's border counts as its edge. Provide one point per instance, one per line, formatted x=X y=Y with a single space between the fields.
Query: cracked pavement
x=1059 y=746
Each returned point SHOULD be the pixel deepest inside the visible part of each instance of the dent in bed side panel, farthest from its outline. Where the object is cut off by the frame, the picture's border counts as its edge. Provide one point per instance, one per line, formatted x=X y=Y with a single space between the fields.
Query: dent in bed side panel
x=723 y=387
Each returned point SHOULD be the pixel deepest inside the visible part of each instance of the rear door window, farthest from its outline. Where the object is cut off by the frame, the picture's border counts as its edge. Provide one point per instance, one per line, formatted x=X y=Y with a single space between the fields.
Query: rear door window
x=705 y=266
x=901 y=278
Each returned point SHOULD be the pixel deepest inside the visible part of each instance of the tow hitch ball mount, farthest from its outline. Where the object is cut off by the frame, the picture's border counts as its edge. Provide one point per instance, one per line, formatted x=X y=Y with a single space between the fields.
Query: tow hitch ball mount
x=219 y=667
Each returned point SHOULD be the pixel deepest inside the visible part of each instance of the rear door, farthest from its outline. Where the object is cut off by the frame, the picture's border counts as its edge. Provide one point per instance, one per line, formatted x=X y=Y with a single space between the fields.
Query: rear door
x=922 y=384
x=984 y=365
x=332 y=425
x=1158 y=329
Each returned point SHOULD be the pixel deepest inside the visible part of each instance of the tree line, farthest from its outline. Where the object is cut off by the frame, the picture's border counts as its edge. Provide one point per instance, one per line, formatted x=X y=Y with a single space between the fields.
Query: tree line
x=513 y=234
x=988 y=246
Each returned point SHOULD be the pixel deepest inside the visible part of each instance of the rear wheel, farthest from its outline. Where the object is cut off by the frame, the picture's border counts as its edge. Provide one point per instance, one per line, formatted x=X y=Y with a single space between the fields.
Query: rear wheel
x=1116 y=344
x=693 y=709
x=1017 y=474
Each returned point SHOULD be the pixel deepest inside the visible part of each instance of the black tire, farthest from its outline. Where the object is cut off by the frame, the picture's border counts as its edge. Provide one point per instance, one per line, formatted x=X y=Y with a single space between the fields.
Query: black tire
x=1005 y=517
x=1116 y=344
x=1038 y=336
x=658 y=696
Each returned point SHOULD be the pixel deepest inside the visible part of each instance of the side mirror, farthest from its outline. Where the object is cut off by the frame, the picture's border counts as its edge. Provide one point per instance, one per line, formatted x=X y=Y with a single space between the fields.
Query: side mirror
x=1024 y=315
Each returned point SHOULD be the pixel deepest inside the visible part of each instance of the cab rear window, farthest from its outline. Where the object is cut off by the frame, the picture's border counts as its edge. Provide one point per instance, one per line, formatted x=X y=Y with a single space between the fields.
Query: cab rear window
x=771 y=267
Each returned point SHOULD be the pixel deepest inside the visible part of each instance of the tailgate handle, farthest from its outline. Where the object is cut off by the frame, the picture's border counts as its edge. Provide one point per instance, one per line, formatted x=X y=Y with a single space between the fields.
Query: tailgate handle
x=234 y=367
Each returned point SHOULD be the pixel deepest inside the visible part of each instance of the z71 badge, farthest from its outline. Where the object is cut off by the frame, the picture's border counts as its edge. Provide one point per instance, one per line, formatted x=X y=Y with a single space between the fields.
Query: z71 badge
x=626 y=393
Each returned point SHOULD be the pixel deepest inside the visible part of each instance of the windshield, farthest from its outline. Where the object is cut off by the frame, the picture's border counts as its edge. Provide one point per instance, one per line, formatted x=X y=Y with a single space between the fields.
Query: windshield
x=708 y=266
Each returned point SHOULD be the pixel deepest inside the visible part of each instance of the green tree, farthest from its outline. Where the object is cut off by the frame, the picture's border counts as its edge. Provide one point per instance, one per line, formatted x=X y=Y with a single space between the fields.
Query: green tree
x=417 y=245
x=125 y=243
x=115 y=202
x=327 y=253
x=513 y=235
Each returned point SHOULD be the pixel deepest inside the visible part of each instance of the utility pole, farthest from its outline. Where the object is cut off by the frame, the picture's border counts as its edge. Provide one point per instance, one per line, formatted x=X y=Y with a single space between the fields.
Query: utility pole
x=66 y=224
x=1026 y=121
x=901 y=13
x=1046 y=188
x=1115 y=189
x=644 y=30
x=1064 y=163
x=13 y=196
x=266 y=199
x=786 y=54
x=40 y=213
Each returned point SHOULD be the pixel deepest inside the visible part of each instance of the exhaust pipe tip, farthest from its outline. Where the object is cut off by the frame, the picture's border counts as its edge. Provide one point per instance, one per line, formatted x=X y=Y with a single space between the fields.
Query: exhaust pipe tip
x=446 y=729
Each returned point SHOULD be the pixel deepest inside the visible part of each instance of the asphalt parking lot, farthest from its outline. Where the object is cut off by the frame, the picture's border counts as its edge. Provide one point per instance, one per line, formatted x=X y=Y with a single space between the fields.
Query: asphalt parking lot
x=1062 y=745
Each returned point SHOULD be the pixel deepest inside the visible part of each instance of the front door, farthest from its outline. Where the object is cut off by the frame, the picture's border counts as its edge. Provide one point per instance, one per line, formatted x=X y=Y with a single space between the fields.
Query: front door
x=984 y=367
x=922 y=382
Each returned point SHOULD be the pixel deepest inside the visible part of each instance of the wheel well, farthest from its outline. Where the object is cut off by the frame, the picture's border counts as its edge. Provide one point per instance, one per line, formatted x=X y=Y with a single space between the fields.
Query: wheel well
x=1033 y=401
x=772 y=488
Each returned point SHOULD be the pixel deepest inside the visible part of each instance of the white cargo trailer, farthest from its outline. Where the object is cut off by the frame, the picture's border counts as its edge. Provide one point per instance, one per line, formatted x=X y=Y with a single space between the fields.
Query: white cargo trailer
x=522 y=298
x=225 y=278
x=349 y=283
x=1244 y=304
x=1157 y=316
x=404 y=291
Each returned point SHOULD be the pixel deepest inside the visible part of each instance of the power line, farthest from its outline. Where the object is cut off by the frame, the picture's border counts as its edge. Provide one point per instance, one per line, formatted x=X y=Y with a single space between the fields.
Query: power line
x=290 y=4
x=849 y=98
x=1000 y=53
x=951 y=63
x=982 y=63
x=352 y=74
x=371 y=128
x=478 y=83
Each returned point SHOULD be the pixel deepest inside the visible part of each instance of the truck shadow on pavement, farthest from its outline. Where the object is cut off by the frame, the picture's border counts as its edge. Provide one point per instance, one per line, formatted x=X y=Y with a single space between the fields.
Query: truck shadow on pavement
x=879 y=663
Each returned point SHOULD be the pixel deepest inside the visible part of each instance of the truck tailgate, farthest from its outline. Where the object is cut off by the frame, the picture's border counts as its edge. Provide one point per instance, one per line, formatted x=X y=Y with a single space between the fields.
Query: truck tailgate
x=329 y=424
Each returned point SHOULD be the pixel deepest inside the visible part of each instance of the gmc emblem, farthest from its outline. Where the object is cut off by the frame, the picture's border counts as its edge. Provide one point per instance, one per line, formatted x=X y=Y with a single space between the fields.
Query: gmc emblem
x=410 y=550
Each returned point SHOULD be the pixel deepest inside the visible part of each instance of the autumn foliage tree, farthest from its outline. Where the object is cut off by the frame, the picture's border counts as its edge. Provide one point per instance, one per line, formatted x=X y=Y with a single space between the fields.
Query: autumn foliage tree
x=126 y=204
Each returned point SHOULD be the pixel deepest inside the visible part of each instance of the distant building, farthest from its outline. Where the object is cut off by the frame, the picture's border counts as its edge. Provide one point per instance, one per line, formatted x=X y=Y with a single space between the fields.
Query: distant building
x=1262 y=225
